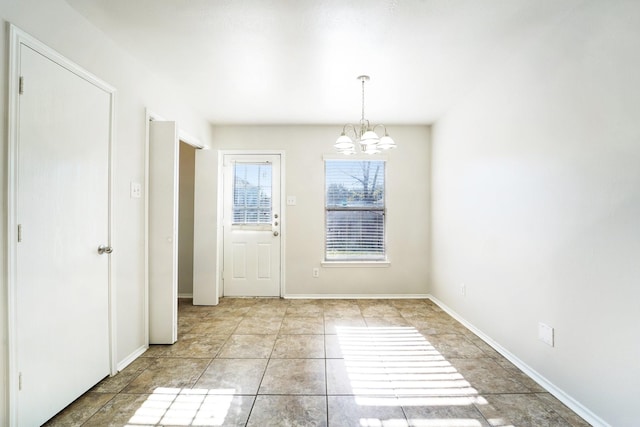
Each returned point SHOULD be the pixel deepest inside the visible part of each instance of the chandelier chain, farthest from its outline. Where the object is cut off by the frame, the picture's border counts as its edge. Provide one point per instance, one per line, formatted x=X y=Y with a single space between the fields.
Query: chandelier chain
x=362 y=118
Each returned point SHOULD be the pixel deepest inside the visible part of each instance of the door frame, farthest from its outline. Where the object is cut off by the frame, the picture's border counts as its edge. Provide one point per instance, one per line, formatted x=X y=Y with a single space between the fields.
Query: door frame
x=188 y=139
x=220 y=214
x=17 y=37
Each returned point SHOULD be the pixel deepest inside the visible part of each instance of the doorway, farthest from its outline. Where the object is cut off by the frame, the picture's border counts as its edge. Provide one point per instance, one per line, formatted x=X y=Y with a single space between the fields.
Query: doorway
x=186 y=185
x=252 y=225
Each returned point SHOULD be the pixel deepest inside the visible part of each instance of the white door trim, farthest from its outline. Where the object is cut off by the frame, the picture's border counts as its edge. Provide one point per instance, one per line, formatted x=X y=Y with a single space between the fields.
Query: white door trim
x=18 y=37
x=220 y=214
x=183 y=136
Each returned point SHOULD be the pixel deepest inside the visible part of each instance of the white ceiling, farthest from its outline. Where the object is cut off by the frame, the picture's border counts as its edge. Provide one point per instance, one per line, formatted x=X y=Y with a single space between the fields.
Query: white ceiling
x=296 y=61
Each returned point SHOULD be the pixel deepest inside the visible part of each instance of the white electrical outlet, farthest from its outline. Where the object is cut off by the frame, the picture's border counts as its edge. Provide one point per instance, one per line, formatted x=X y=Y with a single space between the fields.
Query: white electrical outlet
x=545 y=334
x=136 y=190
x=315 y=272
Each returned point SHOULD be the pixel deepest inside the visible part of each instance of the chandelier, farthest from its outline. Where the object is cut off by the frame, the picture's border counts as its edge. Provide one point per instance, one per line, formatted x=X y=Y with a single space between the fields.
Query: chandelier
x=366 y=139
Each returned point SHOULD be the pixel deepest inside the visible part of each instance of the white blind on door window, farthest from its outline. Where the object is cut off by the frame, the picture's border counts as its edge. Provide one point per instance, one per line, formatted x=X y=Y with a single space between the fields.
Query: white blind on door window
x=355 y=208
x=252 y=193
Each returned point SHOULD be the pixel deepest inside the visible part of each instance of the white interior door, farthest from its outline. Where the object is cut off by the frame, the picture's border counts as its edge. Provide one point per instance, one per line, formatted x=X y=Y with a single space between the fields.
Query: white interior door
x=163 y=232
x=252 y=223
x=62 y=208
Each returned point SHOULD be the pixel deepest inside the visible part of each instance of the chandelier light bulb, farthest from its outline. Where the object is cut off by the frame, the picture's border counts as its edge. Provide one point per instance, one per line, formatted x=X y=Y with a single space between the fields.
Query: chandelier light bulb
x=371 y=149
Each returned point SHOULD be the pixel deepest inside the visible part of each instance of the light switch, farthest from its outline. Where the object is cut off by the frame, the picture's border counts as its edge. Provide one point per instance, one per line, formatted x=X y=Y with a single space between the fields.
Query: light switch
x=291 y=200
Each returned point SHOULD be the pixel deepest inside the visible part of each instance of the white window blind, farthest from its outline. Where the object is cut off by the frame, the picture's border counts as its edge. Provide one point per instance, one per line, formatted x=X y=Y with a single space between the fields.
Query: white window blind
x=251 y=193
x=354 y=210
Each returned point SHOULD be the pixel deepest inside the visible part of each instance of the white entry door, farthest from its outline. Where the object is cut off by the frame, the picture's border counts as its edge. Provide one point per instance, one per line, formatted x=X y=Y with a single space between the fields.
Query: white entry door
x=252 y=224
x=163 y=232
x=61 y=298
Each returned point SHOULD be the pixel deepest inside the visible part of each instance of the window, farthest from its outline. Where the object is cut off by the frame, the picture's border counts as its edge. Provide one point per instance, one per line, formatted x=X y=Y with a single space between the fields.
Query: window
x=354 y=210
x=252 y=193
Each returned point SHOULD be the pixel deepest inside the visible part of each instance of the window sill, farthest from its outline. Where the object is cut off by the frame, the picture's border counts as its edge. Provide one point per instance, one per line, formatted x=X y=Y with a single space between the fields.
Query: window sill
x=355 y=264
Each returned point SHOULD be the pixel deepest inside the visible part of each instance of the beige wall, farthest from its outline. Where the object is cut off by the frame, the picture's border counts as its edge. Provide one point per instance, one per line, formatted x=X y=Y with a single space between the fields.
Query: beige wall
x=54 y=23
x=408 y=177
x=185 y=215
x=536 y=206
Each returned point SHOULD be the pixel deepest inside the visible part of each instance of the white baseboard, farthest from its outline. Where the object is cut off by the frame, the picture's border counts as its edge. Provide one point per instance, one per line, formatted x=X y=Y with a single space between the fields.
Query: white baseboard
x=356 y=296
x=130 y=358
x=562 y=396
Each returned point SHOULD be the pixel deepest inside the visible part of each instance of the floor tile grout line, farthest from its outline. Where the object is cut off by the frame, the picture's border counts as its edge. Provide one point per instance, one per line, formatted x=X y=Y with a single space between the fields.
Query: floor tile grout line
x=326 y=370
x=99 y=409
x=114 y=394
x=512 y=375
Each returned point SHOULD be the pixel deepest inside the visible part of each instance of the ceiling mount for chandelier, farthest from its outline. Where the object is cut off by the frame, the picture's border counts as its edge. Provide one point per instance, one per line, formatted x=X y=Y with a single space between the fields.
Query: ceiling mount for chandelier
x=364 y=135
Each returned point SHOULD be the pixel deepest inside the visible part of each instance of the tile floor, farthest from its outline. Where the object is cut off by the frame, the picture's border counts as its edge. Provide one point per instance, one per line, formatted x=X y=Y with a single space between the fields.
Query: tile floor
x=364 y=363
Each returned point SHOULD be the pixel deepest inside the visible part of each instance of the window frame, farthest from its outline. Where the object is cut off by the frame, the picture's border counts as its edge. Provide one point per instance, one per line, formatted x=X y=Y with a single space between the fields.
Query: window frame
x=383 y=260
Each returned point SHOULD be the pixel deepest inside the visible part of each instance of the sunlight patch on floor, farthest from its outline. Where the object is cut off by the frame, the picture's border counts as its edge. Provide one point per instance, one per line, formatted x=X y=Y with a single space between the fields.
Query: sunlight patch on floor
x=398 y=360
x=184 y=407
x=448 y=422
x=400 y=363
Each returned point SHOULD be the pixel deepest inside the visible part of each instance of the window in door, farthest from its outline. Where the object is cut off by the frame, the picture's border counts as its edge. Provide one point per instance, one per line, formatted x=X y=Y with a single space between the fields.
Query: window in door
x=355 y=210
x=252 y=193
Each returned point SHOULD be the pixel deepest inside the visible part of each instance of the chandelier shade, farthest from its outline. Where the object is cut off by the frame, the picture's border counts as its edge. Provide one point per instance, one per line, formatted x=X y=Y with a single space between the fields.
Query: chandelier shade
x=344 y=143
x=369 y=137
x=386 y=143
x=364 y=134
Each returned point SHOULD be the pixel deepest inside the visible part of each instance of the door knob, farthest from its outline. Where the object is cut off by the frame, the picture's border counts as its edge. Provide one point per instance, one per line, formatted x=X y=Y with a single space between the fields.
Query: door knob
x=102 y=249
x=275 y=233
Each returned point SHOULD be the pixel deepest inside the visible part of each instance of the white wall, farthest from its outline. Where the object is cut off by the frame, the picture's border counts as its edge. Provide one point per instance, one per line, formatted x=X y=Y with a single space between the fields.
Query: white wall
x=408 y=177
x=536 y=206
x=60 y=27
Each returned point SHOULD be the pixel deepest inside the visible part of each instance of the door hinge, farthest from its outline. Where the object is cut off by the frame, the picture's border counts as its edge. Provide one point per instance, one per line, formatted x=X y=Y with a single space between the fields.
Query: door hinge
x=19 y=381
x=21 y=85
x=19 y=233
